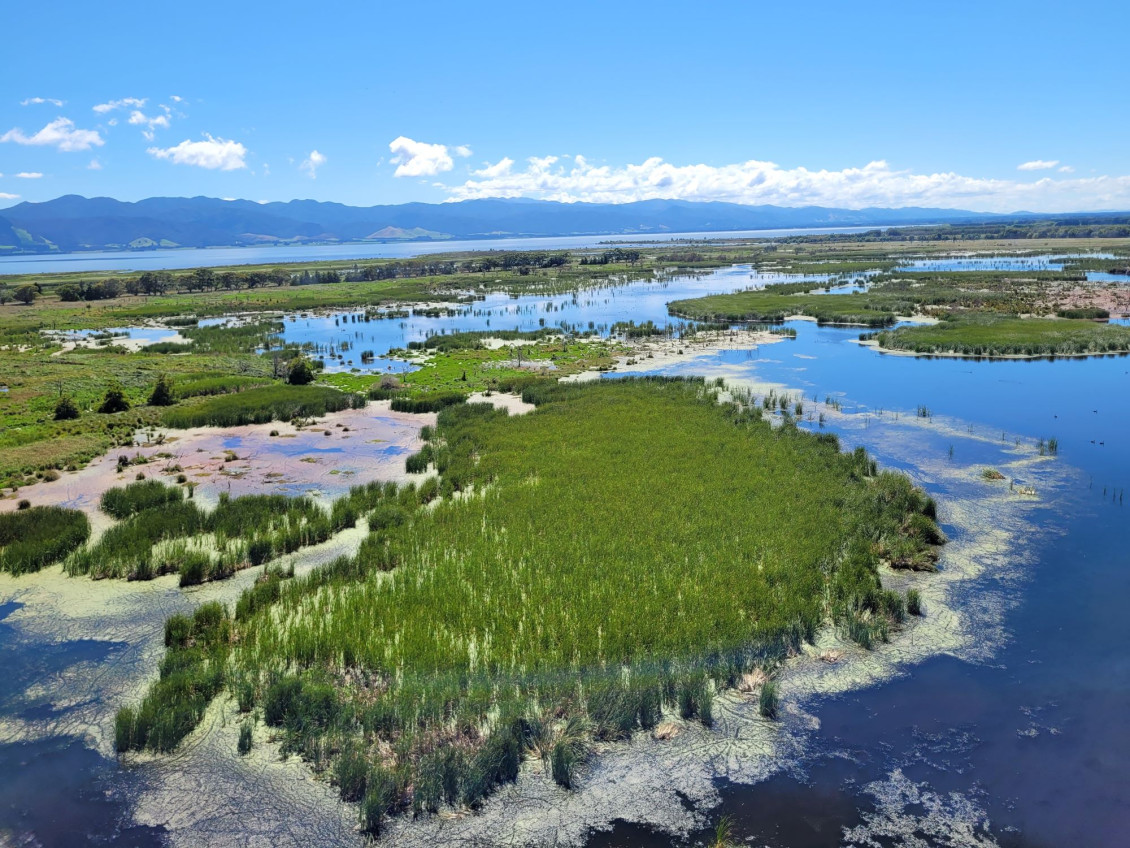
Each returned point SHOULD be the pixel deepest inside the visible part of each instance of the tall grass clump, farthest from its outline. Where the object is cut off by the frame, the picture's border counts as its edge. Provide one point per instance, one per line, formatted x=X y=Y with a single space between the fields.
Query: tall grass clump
x=33 y=538
x=123 y=501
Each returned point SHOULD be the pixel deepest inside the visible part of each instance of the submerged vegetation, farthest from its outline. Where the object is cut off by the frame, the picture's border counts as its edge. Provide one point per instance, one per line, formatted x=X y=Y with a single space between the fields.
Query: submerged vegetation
x=566 y=587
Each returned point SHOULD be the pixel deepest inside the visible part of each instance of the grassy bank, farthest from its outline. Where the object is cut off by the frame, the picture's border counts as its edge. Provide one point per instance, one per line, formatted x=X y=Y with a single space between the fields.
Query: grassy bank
x=980 y=334
x=580 y=592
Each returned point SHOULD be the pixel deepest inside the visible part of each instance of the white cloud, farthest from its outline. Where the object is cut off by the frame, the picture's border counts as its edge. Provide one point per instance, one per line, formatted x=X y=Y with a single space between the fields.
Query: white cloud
x=94 y=165
x=6 y=196
x=60 y=133
x=212 y=153
x=29 y=175
x=138 y=118
x=463 y=150
x=1067 y=169
x=1038 y=165
x=175 y=98
x=498 y=169
x=124 y=103
x=418 y=159
x=312 y=162
x=36 y=101
x=757 y=182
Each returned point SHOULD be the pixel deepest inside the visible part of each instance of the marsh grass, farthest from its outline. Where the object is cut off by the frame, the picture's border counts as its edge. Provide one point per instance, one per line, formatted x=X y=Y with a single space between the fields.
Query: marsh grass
x=261 y=405
x=123 y=501
x=567 y=578
x=38 y=536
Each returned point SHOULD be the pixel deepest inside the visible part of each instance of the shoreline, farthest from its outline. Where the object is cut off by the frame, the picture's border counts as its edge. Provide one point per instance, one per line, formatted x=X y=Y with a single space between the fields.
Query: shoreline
x=871 y=343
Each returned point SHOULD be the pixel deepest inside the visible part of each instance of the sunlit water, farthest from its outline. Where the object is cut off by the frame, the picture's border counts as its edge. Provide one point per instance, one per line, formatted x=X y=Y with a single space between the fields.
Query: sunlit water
x=1020 y=739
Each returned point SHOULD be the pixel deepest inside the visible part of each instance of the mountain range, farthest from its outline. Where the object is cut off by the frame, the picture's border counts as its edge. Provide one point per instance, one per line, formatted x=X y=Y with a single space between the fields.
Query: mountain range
x=75 y=223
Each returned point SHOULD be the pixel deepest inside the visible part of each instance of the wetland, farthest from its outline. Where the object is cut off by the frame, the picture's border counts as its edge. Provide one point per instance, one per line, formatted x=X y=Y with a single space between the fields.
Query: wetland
x=679 y=582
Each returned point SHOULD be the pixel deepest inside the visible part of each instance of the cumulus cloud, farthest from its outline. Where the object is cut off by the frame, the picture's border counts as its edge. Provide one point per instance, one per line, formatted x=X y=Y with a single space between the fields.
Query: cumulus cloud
x=499 y=169
x=757 y=182
x=311 y=163
x=1038 y=165
x=29 y=175
x=6 y=196
x=60 y=133
x=124 y=103
x=419 y=159
x=138 y=118
x=1067 y=169
x=37 y=101
x=94 y=165
x=215 y=154
x=463 y=150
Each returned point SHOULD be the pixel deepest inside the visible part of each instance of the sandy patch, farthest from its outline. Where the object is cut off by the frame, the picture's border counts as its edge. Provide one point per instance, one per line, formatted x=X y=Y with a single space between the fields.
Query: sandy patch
x=513 y=404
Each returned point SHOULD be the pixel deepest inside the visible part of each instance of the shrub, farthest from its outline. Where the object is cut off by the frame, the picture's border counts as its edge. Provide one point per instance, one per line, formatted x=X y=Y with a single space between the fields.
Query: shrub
x=300 y=373
x=66 y=409
x=162 y=394
x=114 y=401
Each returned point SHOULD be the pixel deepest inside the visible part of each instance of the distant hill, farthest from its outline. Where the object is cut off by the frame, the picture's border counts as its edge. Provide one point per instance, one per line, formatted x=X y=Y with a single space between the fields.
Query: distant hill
x=72 y=223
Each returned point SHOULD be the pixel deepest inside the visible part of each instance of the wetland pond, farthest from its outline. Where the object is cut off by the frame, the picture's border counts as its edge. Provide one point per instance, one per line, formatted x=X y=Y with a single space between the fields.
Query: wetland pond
x=998 y=720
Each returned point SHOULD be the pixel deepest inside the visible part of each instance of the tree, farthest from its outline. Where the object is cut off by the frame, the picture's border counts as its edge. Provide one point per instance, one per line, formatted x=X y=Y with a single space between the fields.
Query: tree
x=65 y=409
x=114 y=401
x=300 y=373
x=26 y=294
x=162 y=392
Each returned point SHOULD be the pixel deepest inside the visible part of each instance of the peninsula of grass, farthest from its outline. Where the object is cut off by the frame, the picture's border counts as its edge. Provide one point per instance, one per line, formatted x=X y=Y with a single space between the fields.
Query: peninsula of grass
x=622 y=553
x=260 y=405
x=767 y=305
x=990 y=335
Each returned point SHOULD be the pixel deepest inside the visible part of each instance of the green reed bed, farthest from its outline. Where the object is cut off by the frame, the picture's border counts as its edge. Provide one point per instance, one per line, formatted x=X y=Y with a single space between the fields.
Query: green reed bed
x=261 y=405
x=123 y=501
x=980 y=334
x=576 y=589
x=33 y=538
x=770 y=305
x=162 y=534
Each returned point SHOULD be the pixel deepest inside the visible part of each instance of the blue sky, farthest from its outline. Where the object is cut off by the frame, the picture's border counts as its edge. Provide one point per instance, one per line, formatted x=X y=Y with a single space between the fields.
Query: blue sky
x=988 y=106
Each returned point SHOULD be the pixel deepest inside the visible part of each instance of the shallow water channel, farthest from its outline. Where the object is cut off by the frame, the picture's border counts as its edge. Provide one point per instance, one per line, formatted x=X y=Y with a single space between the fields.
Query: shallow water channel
x=1005 y=727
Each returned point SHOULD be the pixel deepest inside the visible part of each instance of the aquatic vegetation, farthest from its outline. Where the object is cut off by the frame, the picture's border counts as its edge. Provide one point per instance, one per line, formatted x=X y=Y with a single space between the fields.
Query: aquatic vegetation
x=913 y=602
x=767 y=700
x=34 y=537
x=775 y=304
x=191 y=674
x=123 y=501
x=983 y=334
x=575 y=577
x=991 y=474
x=261 y=405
